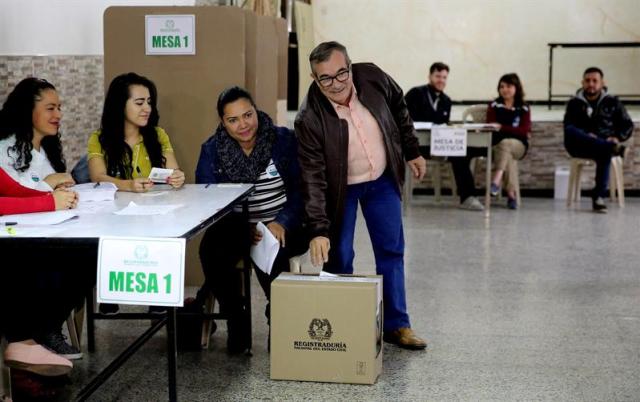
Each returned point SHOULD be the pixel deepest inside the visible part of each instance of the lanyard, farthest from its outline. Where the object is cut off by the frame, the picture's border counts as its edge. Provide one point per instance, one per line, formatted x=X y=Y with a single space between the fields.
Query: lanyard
x=434 y=105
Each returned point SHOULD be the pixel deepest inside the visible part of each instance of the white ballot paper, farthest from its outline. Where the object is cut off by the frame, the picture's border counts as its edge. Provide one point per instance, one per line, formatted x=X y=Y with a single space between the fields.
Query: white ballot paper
x=159 y=175
x=264 y=253
x=90 y=192
x=135 y=209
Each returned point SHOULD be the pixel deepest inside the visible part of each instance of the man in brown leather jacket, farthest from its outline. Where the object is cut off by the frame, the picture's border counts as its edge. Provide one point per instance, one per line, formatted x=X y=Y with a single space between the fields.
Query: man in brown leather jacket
x=354 y=135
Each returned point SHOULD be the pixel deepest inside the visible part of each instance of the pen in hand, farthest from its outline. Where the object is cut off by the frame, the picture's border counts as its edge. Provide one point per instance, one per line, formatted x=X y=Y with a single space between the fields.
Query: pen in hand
x=145 y=182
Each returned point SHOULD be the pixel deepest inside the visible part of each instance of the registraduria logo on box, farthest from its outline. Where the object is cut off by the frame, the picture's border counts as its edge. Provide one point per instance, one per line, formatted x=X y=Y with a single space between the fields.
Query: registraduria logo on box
x=320 y=330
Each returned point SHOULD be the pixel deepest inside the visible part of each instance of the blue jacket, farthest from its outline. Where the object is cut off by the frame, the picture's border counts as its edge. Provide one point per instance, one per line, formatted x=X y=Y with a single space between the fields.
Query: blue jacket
x=285 y=156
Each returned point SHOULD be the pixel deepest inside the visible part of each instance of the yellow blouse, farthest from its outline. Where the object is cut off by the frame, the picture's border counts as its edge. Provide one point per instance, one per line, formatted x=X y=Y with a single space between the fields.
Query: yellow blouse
x=141 y=164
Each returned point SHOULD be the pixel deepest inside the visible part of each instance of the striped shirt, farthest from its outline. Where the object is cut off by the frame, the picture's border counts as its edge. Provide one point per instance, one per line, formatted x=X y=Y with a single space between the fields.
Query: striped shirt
x=268 y=198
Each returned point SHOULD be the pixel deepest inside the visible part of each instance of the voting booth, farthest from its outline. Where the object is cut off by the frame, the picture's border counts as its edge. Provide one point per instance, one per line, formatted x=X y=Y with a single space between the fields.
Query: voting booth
x=192 y=54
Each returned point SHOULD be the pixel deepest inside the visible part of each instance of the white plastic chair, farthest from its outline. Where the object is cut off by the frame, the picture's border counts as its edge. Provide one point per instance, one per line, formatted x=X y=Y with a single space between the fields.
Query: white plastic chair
x=616 y=180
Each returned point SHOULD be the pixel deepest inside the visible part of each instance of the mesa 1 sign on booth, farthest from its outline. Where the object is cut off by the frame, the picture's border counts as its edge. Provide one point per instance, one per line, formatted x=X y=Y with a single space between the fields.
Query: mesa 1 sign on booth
x=170 y=34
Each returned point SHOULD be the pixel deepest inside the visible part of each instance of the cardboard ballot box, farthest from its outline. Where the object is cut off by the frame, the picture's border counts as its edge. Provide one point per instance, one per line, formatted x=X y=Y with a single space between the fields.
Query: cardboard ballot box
x=326 y=329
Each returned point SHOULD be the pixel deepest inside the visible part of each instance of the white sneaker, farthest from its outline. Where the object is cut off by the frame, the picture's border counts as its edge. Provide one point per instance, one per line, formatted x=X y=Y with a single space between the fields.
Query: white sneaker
x=472 y=204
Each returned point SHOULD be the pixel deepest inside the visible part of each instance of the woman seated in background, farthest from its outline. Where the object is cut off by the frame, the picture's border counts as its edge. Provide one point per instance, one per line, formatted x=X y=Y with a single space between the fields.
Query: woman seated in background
x=512 y=118
x=247 y=148
x=44 y=287
x=129 y=142
x=23 y=352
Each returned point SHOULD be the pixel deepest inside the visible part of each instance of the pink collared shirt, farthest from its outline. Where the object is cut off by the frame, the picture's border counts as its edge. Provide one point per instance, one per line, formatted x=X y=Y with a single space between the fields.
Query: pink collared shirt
x=367 y=156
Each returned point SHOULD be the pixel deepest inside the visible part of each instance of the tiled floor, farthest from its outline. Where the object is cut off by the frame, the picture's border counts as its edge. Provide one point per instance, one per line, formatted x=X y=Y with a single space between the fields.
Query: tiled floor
x=538 y=304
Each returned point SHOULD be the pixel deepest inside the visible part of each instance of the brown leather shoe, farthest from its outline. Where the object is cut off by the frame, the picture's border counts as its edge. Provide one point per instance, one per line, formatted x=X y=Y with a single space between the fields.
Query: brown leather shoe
x=405 y=338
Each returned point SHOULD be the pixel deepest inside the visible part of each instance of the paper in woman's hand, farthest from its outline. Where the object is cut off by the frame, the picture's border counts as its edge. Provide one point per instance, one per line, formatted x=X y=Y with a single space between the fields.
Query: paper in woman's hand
x=265 y=251
x=159 y=175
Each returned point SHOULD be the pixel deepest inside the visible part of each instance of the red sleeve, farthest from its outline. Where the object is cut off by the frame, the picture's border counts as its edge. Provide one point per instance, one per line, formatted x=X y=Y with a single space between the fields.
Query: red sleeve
x=10 y=187
x=16 y=199
x=523 y=129
x=491 y=114
x=21 y=205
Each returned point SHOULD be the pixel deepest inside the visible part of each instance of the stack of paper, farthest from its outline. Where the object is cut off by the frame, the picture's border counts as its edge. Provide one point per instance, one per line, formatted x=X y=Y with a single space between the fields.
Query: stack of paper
x=95 y=191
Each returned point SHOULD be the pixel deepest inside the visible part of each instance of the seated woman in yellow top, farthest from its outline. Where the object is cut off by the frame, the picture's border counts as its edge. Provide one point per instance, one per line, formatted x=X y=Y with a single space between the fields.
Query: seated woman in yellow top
x=129 y=142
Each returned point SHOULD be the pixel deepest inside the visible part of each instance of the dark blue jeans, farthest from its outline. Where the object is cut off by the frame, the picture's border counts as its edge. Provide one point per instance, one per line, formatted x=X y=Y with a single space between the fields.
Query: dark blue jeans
x=580 y=144
x=382 y=210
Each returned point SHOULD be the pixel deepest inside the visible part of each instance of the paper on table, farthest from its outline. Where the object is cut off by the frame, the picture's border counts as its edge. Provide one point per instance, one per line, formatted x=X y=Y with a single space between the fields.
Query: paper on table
x=95 y=191
x=159 y=175
x=327 y=274
x=90 y=208
x=38 y=218
x=264 y=253
x=422 y=125
x=135 y=209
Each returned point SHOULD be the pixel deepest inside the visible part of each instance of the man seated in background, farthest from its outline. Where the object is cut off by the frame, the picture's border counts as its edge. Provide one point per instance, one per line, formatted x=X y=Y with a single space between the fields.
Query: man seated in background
x=595 y=124
x=429 y=103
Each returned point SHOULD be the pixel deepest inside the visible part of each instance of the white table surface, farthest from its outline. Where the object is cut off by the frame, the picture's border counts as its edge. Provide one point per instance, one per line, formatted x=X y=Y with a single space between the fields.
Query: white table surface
x=476 y=137
x=199 y=204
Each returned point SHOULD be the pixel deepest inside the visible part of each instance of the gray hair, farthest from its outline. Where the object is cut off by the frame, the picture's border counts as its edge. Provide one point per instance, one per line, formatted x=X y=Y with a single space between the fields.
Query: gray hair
x=323 y=51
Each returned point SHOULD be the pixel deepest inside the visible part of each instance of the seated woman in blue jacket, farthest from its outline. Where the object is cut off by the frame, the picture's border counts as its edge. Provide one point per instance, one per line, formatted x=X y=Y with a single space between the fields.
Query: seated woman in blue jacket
x=248 y=148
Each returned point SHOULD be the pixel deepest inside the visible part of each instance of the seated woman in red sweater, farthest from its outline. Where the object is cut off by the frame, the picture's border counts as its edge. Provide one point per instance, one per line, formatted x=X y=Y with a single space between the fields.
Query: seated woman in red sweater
x=23 y=352
x=31 y=153
x=512 y=117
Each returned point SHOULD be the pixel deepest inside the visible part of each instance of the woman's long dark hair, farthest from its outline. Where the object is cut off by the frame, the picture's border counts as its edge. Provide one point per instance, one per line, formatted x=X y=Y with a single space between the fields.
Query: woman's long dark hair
x=512 y=79
x=16 y=118
x=118 y=153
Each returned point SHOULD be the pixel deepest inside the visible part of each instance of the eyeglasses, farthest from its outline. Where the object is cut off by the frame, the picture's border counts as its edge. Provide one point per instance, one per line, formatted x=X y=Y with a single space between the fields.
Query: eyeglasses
x=342 y=76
